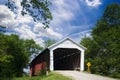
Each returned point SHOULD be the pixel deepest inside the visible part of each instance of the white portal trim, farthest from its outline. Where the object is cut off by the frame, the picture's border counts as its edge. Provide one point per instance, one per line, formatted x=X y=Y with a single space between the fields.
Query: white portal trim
x=66 y=43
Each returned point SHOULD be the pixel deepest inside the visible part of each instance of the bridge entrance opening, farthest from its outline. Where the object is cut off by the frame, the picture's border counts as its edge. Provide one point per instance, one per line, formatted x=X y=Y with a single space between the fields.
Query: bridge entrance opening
x=66 y=59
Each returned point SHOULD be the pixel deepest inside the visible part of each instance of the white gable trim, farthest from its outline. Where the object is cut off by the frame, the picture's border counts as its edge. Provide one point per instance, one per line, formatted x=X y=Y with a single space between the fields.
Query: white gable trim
x=58 y=43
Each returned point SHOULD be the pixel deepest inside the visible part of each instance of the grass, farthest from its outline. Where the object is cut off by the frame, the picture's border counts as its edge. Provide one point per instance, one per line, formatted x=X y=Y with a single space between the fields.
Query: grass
x=51 y=76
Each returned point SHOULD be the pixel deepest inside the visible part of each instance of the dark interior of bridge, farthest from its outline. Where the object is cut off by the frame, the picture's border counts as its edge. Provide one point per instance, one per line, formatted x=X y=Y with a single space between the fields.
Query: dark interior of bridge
x=66 y=59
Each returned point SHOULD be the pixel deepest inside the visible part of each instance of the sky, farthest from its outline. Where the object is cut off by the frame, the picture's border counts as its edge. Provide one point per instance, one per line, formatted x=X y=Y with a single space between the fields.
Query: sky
x=71 y=18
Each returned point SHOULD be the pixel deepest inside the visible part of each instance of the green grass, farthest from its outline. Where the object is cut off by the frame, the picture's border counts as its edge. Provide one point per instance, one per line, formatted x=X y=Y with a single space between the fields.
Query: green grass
x=51 y=76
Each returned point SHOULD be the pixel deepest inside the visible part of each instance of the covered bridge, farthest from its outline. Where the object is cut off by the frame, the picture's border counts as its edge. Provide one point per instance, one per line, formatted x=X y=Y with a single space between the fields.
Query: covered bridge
x=63 y=55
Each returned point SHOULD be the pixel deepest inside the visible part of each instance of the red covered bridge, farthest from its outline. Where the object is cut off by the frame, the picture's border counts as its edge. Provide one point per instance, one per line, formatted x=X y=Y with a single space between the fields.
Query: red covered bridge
x=63 y=55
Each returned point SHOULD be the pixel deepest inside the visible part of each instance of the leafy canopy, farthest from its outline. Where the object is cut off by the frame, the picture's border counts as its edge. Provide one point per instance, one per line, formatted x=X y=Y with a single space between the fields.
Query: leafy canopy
x=49 y=42
x=103 y=48
x=38 y=9
x=14 y=55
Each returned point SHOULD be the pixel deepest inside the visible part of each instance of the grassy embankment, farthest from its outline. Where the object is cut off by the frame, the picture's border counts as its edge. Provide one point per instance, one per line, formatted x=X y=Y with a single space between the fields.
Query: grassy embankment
x=51 y=76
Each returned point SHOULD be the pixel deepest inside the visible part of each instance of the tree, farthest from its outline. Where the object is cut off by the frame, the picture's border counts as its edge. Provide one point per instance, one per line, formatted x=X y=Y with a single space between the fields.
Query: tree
x=105 y=43
x=5 y=67
x=49 y=42
x=90 y=53
x=12 y=46
x=91 y=47
x=14 y=55
x=107 y=36
x=2 y=29
x=32 y=47
x=38 y=9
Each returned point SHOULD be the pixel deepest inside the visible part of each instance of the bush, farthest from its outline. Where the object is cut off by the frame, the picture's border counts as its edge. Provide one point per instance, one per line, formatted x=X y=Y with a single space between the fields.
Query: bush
x=115 y=75
x=41 y=72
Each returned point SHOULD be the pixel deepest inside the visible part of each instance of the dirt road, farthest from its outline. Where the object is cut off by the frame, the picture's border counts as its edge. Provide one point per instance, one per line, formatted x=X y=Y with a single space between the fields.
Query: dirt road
x=83 y=76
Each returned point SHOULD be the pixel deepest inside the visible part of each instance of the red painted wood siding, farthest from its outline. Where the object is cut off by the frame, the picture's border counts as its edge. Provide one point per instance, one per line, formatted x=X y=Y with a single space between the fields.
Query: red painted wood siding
x=38 y=65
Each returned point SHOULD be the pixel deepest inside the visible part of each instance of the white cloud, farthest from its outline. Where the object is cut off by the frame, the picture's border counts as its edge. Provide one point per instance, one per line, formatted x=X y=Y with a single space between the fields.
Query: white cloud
x=12 y=20
x=80 y=35
x=53 y=34
x=24 y=25
x=24 y=19
x=48 y=32
x=63 y=10
x=25 y=32
x=93 y=3
x=7 y=17
x=39 y=41
x=38 y=27
x=18 y=6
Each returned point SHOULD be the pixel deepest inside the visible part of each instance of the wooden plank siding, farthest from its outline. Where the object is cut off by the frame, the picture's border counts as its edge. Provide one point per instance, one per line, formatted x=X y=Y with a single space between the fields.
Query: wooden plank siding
x=41 y=62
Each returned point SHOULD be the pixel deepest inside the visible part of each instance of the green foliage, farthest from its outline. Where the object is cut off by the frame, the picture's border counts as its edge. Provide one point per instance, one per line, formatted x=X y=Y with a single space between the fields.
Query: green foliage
x=38 y=9
x=5 y=67
x=2 y=29
x=103 y=48
x=41 y=72
x=49 y=42
x=112 y=15
x=50 y=76
x=14 y=55
x=32 y=47
x=92 y=48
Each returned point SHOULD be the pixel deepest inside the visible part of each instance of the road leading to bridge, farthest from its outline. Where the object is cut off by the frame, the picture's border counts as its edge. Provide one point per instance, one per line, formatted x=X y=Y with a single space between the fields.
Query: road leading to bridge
x=83 y=76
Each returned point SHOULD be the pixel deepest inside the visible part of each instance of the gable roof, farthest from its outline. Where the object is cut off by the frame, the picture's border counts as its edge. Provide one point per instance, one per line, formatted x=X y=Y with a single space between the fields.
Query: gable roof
x=59 y=42
x=65 y=39
x=38 y=55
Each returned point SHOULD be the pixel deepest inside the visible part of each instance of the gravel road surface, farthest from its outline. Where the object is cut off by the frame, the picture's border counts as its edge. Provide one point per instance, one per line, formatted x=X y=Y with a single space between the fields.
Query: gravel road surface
x=75 y=75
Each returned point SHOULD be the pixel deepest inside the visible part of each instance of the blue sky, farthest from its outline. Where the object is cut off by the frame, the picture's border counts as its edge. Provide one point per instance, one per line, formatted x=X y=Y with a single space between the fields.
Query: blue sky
x=71 y=18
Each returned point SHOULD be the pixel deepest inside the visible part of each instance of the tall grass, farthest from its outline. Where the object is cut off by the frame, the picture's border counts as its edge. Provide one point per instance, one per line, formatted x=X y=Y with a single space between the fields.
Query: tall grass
x=51 y=76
